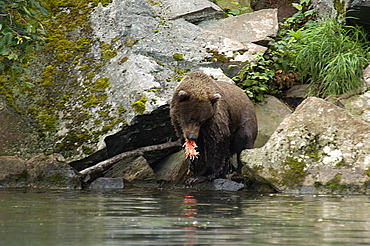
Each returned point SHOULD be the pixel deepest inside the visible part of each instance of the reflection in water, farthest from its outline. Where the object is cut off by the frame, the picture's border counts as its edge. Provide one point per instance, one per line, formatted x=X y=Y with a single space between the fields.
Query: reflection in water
x=180 y=217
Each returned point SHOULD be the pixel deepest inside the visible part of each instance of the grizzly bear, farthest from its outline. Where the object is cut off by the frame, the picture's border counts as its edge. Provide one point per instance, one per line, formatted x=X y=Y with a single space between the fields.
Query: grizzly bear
x=221 y=120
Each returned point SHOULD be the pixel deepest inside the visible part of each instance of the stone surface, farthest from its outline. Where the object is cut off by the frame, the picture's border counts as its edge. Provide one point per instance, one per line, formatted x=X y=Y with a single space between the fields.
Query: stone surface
x=270 y=113
x=219 y=185
x=51 y=171
x=320 y=146
x=107 y=183
x=134 y=169
x=250 y=27
x=13 y=171
x=358 y=106
x=192 y=11
x=15 y=132
x=173 y=168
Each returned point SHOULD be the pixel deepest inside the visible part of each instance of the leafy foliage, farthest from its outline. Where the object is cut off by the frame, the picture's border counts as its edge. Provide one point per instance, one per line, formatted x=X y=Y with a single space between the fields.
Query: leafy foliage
x=331 y=56
x=254 y=78
x=20 y=33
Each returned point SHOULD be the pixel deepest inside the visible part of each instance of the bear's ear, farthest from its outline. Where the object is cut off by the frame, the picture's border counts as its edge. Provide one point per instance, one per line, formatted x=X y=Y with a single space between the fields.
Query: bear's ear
x=214 y=98
x=183 y=95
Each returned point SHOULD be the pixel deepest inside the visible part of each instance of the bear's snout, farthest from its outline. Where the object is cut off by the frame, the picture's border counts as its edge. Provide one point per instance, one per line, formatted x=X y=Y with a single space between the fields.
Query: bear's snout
x=191 y=136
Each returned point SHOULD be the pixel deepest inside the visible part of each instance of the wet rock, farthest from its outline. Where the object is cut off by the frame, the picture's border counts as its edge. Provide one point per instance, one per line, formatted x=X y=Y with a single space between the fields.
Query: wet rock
x=319 y=146
x=51 y=171
x=270 y=113
x=107 y=183
x=13 y=171
x=135 y=170
x=172 y=169
x=191 y=11
x=251 y=27
x=219 y=184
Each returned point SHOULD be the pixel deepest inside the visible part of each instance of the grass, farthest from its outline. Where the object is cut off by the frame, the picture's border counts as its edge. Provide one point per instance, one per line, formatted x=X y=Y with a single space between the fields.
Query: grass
x=331 y=56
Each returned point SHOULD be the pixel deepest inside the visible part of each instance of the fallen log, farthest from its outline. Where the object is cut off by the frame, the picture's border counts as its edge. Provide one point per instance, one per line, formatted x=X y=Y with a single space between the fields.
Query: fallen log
x=103 y=165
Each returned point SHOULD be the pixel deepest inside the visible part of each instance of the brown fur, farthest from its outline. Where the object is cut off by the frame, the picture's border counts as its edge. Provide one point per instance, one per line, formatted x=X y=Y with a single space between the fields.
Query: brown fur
x=219 y=117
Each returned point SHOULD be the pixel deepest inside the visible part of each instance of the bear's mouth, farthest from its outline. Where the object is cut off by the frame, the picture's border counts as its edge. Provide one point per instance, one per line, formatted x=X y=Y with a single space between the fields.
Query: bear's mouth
x=190 y=150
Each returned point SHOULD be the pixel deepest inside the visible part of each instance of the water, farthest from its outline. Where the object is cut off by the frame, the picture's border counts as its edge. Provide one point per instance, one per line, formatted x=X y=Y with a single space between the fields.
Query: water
x=180 y=217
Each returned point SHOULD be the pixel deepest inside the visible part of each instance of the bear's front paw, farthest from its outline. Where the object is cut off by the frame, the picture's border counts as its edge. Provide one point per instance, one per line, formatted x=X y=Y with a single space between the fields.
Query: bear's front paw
x=193 y=180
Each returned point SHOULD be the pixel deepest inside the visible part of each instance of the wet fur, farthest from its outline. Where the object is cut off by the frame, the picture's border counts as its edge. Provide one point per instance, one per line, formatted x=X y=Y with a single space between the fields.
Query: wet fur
x=222 y=126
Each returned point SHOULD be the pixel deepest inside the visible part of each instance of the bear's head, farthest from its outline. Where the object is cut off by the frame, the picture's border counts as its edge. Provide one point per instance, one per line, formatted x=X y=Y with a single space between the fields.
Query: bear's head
x=192 y=111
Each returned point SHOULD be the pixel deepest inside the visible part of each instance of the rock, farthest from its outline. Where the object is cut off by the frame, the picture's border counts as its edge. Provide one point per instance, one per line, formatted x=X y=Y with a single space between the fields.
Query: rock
x=107 y=183
x=358 y=14
x=145 y=130
x=172 y=169
x=16 y=136
x=358 y=106
x=51 y=171
x=329 y=8
x=270 y=113
x=191 y=11
x=219 y=184
x=319 y=147
x=366 y=76
x=13 y=172
x=227 y=185
x=134 y=170
x=251 y=27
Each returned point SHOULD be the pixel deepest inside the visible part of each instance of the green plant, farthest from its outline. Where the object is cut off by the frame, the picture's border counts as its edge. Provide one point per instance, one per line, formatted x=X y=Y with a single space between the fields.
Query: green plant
x=330 y=55
x=254 y=78
x=238 y=10
x=20 y=33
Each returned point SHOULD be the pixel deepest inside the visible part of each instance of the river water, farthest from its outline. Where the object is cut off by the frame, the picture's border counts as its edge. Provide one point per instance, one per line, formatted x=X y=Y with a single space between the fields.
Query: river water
x=180 y=217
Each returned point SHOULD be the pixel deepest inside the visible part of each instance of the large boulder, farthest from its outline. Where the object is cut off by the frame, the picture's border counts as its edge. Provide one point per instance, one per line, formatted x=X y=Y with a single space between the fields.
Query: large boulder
x=250 y=27
x=41 y=171
x=319 y=148
x=270 y=113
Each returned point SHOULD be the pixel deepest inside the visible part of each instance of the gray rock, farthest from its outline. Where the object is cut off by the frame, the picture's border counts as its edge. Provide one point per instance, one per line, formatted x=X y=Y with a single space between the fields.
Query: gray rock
x=320 y=145
x=13 y=171
x=107 y=183
x=358 y=106
x=227 y=185
x=173 y=168
x=219 y=184
x=246 y=28
x=270 y=113
x=51 y=171
x=133 y=170
x=327 y=8
x=192 y=11
x=16 y=136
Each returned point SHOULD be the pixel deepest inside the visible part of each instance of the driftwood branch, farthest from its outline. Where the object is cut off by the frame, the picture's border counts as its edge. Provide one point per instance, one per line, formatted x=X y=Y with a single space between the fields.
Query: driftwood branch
x=101 y=166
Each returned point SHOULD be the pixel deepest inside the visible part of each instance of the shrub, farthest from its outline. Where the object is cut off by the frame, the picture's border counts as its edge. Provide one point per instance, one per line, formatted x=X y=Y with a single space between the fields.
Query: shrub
x=331 y=56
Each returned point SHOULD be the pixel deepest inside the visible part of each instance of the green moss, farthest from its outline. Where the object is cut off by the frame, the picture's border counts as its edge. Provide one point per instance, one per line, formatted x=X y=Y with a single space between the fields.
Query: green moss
x=178 y=57
x=107 y=52
x=294 y=174
x=152 y=2
x=367 y=172
x=334 y=184
x=48 y=76
x=121 y=110
x=57 y=178
x=100 y=85
x=216 y=56
x=131 y=42
x=139 y=105
x=179 y=74
x=123 y=60
x=339 y=6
